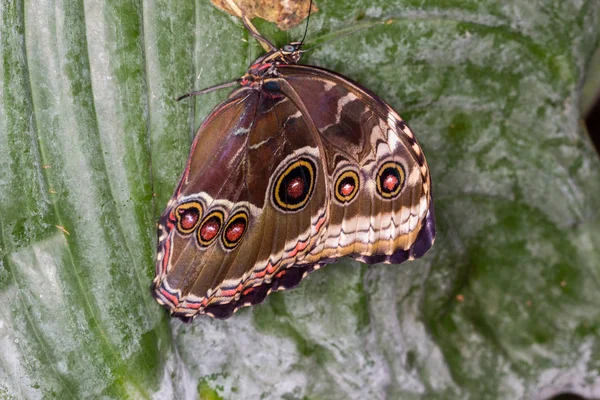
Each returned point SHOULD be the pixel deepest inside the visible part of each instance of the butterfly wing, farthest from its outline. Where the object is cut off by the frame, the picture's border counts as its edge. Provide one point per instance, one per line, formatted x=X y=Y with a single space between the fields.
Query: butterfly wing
x=253 y=198
x=285 y=178
x=381 y=201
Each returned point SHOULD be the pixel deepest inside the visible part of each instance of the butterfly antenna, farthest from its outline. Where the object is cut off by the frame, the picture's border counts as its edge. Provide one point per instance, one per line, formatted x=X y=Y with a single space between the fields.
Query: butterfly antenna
x=209 y=89
x=307 y=19
x=346 y=32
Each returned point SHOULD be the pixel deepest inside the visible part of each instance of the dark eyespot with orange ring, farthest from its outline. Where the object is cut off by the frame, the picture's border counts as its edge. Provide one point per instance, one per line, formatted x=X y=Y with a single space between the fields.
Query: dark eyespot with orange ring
x=295 y=185
x=210 y=228
x=187 y=216
x=347 y=186
x=235 y=229
x=390 y=179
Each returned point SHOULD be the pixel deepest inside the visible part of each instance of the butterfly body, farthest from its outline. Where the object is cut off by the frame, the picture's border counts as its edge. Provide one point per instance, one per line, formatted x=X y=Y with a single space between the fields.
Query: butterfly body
x=298 y=167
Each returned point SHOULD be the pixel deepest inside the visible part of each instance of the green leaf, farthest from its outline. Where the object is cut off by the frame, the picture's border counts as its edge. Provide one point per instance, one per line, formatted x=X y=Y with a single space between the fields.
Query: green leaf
x=505 y=305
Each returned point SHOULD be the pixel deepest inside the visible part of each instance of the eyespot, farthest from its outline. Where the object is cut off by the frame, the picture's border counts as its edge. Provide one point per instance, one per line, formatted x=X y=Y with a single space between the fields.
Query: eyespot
x=235 y=229
x=295 y=185
x=347 y=186
x=210 y=228
x=390 y=179
x=187 y=216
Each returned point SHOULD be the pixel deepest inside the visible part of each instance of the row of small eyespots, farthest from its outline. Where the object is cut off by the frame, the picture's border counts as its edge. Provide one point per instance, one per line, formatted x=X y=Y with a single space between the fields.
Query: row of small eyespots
x=291 y=193
x=188 y=217
x=389 y=182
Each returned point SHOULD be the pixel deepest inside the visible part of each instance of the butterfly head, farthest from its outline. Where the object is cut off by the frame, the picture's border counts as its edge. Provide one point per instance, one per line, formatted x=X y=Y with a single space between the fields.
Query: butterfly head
x=266 y=65
x=292 y=51
x=288 y=54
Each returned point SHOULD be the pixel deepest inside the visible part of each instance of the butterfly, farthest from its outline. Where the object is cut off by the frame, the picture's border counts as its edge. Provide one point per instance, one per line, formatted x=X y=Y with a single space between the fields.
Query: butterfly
x=298 y=167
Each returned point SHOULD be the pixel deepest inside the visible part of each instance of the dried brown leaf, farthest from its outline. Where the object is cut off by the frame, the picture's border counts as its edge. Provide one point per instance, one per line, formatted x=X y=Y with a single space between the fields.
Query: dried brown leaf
x=285 y=14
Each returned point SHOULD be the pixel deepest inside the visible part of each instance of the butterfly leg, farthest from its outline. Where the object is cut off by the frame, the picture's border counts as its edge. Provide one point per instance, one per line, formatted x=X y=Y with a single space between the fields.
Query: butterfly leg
x=209 y=89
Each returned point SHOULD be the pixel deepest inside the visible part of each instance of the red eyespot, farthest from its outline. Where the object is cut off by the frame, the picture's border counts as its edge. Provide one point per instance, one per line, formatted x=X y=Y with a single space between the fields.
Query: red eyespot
x=210 y=228
x=235 y=229
x=346 y=186
x=295 y=185
x=295 y=188
x=187 y=216
x=390 y=182
x=346 y=189
x=390 y=179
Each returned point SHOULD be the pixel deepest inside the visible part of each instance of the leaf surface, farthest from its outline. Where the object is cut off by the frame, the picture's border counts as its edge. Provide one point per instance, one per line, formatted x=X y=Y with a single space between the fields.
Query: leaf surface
x=505 y=305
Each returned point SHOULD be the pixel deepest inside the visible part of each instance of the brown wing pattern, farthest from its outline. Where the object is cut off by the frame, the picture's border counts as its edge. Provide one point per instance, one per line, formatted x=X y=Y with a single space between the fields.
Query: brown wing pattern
x=285 y=178
x=227 y=230
x=365 y=136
